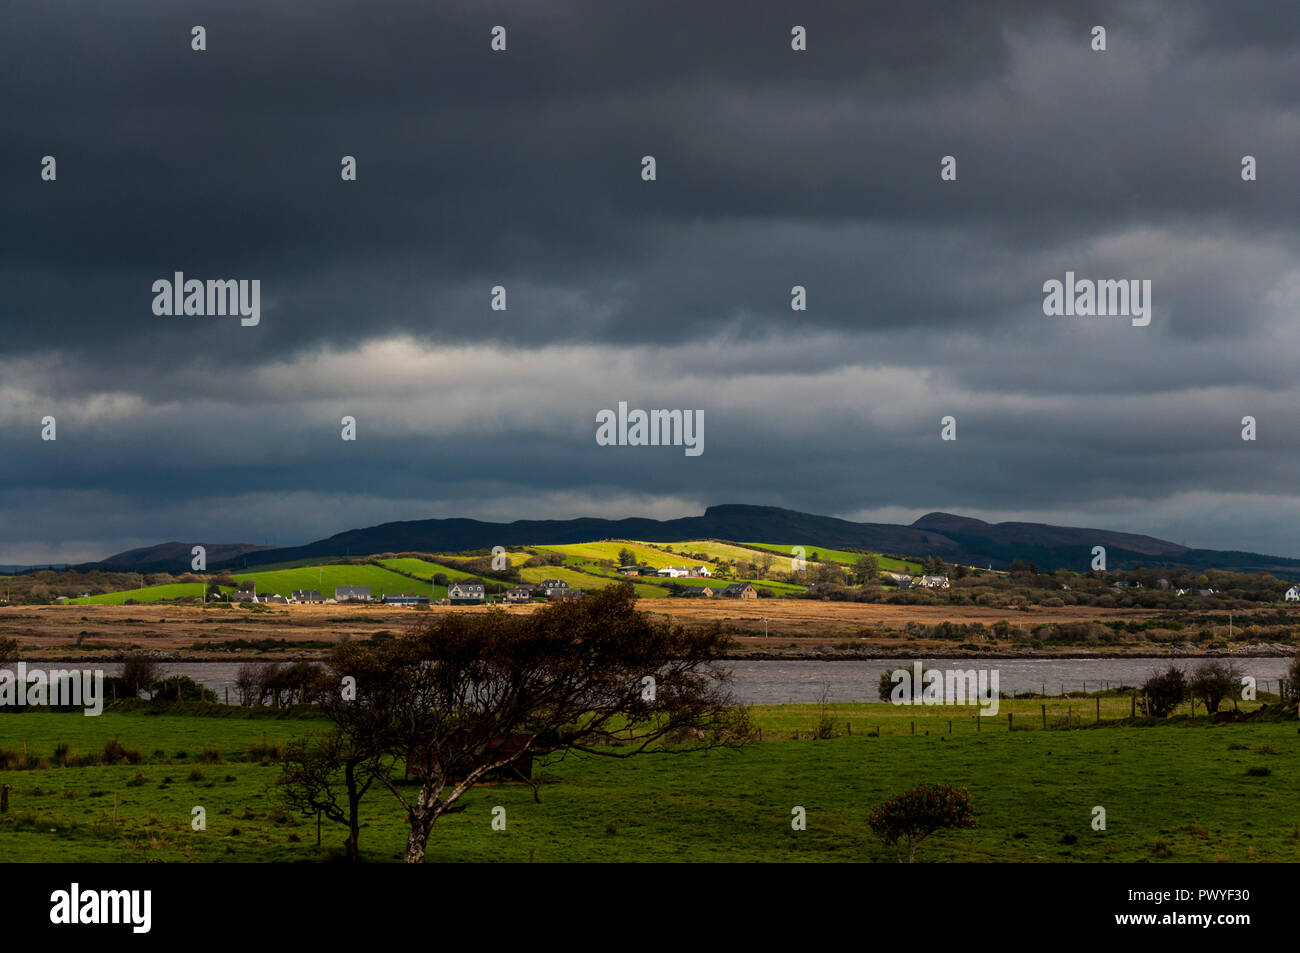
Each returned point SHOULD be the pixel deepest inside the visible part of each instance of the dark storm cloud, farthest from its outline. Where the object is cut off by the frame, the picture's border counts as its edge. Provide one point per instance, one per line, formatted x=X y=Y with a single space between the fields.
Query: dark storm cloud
x=522 y=169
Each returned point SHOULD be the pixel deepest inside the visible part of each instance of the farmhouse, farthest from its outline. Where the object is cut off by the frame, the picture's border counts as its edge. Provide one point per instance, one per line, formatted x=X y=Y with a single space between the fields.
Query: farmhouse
x=466 y=593
x=1293 y=594
x=352 y=593
x=519 y=594
x=405 y=600
x=697 y=592
x=934 y=582
x=740 y=590
x=900 y=579
x=307 y=595
x=674 y=572
x=245 y=595
x=554 y=588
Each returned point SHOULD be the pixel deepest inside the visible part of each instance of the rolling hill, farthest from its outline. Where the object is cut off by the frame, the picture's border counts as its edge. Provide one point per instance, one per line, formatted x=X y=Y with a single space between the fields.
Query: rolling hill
x=954 y=538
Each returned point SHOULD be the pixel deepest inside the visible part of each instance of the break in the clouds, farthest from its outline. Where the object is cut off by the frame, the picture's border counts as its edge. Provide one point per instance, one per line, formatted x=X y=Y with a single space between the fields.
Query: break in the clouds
x=522 y=169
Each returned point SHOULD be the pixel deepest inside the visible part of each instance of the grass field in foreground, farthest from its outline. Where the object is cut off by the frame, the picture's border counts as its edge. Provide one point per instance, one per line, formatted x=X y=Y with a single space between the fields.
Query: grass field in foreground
x=1173 y=792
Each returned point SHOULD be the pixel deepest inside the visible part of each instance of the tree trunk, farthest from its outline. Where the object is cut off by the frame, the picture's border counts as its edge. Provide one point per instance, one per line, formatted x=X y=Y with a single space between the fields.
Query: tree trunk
x=415 y=842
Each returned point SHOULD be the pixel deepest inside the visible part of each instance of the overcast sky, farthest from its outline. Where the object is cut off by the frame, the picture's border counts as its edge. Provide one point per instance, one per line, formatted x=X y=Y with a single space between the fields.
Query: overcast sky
x=775 y=168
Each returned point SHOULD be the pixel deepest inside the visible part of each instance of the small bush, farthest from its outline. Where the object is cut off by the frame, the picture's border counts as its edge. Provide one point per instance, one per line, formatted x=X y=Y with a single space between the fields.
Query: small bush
x=906 y=820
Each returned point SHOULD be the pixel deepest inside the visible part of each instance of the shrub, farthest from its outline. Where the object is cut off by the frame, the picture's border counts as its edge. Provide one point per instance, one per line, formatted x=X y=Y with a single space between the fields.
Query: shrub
x=181 y=688
x=1212 y=682
x=906 y=820
x=1163 y=692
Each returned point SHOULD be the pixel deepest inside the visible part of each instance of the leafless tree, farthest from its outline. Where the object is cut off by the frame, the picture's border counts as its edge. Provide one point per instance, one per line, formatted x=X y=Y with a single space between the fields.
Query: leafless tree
x=139 y=672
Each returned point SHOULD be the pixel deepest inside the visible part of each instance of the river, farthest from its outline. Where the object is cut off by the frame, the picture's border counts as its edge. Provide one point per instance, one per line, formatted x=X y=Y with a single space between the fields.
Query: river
x=777 y=682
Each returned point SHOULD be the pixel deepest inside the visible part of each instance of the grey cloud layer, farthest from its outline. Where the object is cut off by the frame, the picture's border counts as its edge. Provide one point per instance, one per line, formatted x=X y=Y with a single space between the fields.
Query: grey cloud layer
x=521 y=169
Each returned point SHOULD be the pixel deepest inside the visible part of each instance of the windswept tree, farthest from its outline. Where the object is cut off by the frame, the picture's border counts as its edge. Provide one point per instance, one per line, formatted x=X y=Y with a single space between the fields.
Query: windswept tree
x=904 y=821
x=329 y=774
x=461 y=696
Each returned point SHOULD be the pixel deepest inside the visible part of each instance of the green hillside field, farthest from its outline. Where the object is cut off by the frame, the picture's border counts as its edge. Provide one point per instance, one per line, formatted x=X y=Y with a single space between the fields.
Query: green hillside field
x=582 y=580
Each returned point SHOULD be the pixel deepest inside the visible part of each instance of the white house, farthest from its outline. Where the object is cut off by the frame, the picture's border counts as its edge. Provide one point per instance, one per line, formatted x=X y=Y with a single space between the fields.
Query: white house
x=934 y=582
x=1293 y=594
x=674 y=572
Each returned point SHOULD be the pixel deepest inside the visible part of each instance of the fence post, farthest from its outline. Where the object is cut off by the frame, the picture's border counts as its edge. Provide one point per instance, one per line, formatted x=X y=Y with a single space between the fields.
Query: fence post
x=1009 y=728
x=4 y=798
x=1133 y=708
x=1099 y=709
x=950 y=725
x=1044 y=707
x=977 y=723
x=850 y=726
x=913 y=726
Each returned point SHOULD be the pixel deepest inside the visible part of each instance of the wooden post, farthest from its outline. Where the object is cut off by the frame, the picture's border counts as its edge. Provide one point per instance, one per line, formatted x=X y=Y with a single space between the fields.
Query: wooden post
x=1044 y=707
x=913 y=726
x=950 y=726
x=1009 y=728
x=4 y=798
x=760 y=734
x=115 y=799
x=1133 y=708
x=977 y=723
x=1069 y=716
x=227 y=694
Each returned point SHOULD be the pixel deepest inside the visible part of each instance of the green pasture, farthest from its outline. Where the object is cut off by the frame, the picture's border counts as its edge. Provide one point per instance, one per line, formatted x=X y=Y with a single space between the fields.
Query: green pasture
x=1181 y=791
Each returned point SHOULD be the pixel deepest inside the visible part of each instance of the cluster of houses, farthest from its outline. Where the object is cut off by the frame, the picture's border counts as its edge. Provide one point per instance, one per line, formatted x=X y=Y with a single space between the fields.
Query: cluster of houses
x=315 y=597
x=903 y=581
x=668 y=572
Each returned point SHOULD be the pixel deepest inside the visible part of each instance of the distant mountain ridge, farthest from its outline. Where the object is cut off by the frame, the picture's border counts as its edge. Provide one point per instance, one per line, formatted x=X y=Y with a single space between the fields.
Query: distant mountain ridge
x=952 y=537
